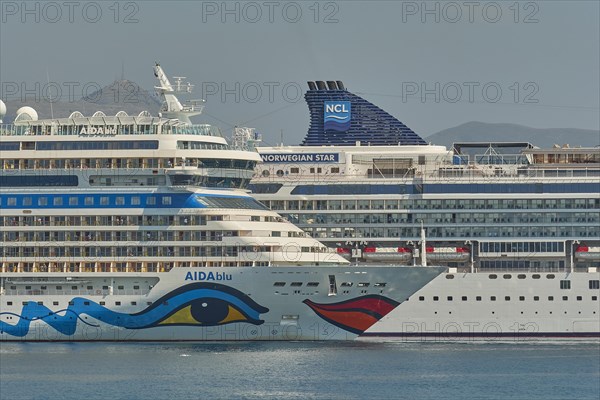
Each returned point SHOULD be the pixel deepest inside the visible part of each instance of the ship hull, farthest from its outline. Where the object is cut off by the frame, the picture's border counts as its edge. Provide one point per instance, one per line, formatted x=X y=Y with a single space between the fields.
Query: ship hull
x=205 y=304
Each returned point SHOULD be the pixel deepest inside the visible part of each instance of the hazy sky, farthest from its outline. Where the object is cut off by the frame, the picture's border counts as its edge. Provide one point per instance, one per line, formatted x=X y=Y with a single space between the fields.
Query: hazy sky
x=535 y=63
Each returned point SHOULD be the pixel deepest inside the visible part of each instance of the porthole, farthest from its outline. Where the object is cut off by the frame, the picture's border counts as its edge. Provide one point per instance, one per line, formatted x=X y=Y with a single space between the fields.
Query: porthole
x=535 y=276
x=521 y=276
x=266 y=173
x=449 y=276
x=279 y=173
x=493 y=276
x=550 y=276
x=507 y=276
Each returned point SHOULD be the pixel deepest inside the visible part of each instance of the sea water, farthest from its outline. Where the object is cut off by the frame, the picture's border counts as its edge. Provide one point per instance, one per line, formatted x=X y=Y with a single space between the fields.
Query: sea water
x=300 y=370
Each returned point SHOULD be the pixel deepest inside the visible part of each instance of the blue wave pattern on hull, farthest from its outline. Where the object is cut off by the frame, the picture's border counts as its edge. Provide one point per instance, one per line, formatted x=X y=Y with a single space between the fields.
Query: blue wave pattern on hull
x=197 y=304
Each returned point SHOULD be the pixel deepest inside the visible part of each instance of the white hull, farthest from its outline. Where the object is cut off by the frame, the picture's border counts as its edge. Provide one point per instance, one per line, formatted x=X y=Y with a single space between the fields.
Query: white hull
x=287 y=303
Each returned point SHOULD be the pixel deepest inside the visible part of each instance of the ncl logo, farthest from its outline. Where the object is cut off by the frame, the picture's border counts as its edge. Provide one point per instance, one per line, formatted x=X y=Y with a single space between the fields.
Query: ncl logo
x=337 y=115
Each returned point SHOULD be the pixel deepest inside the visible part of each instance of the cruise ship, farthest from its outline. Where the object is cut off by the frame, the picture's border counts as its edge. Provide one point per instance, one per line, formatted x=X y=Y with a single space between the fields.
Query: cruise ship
x=518 y=227
x=142 y=228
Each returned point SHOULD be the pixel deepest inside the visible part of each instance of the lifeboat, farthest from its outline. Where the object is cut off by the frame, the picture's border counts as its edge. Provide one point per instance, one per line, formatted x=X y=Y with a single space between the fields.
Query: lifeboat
x=344 y=252
x=402 y=254
x=587 y=252
x=448 y=253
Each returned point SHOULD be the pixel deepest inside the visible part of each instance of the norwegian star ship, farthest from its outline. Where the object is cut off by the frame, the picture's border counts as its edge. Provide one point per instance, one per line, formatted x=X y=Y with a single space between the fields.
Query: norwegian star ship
x=517 y=226
x=141 y=228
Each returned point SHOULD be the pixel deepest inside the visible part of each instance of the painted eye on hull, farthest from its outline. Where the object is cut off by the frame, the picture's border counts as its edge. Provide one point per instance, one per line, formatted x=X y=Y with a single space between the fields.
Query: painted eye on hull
x=207 y=312
x=200 y=304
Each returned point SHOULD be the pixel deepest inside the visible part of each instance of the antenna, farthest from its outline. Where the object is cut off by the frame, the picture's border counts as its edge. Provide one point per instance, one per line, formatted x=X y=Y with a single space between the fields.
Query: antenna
x=51 y=105
x=281 y=138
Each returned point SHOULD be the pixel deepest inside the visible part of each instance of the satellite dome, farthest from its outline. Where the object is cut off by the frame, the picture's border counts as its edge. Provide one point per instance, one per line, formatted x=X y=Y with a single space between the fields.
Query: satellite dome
x=26 y=114
x=2 y=110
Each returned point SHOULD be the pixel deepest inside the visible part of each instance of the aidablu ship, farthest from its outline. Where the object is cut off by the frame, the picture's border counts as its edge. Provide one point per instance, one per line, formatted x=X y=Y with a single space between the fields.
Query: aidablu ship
x=141 y=228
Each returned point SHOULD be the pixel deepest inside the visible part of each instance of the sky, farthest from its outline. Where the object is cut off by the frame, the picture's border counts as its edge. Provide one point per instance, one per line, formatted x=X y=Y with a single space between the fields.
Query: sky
x=432 y=64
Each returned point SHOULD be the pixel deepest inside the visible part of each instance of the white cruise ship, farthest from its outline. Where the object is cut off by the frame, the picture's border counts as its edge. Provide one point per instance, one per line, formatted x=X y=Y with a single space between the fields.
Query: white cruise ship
x=141 y=228
x=518 y=227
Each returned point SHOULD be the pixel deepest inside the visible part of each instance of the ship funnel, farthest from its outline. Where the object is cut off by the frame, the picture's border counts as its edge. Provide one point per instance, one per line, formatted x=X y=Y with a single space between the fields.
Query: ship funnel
x=321 y=85
x=332 y=85
x=312 y=86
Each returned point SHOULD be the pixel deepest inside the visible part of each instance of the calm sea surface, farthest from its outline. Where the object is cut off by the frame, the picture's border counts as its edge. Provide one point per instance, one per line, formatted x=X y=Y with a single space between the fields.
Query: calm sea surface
x=300 y=370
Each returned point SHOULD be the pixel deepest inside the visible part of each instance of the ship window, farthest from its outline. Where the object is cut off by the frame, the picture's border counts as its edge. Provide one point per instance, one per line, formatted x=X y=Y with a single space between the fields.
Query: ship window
x=73 y=287
x=347 y=284
x=59 y=288
x=136 y=287
x=535 y=276
x=565 y=298
x=43 y=201
x=380 y=284
x=294 y=170
x=120 y=201
x=25 y=303
x=594 y=284
x=550 y=276
x=521 y=298
x=117 y=303
x=102 y=303
x=73 y=201
x=594 y=298
x=493 y=276
x=55 y=303
x=464 y=298
x=150 y=201
x=507 y=276
x=279 y=284
x=312 y=284
x=449 y=276
x=279 y=173
x=71 y=303
x=9 y=303
x=296 y=284
x=133 y=303
x=135 y=201
x=579 y=298
x=536 y=298
x=27 y=201
x=104 y=287
x=435 y=298
x=86 y=303
x=550 y=298
x=449 y=298
x=40 y=303
x=506 y=298
x=57 y=201
x=478 y=298
x=521 y=276
x=166 y=200
x=27 y=287
x=493 y=298
x=88 y=201
x=363 y=284
x=120 y=287
x=335 y=170
x=421 y=298
x=565 y=284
